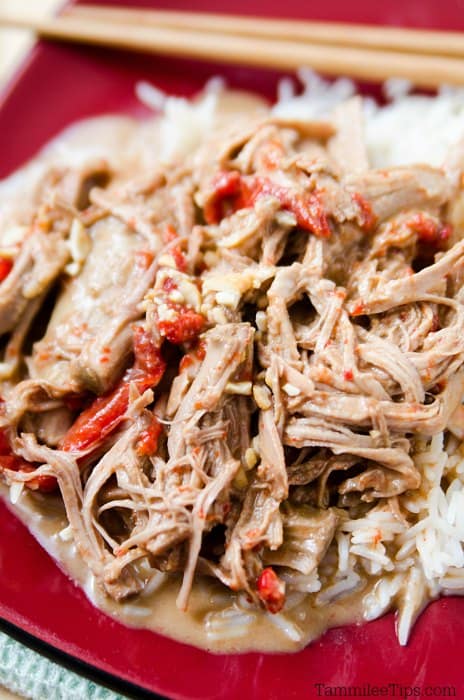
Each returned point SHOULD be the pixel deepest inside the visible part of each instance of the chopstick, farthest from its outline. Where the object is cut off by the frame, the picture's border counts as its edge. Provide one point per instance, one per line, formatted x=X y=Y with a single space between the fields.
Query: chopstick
x=361 y=63
x=424 y=41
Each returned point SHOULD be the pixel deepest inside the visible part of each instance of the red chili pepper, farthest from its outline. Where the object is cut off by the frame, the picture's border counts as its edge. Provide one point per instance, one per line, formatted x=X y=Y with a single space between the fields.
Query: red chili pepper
x=225 y=185
x=98 y=420
x=429 y=231
x=271 y=590
x=233 y=192
x=104 y=415
x=307 y=207
x=348 y=375
x=148 y=358
x=147 y=443
x=186 y=327
x=8 y=460
x=6 y=265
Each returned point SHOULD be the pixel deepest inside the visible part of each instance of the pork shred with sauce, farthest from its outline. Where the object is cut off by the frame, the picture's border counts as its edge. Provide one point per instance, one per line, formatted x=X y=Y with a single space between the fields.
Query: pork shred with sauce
x=216 y=362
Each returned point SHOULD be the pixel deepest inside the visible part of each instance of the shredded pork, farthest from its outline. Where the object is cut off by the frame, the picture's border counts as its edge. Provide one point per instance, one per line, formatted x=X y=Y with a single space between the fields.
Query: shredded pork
x=217 y=363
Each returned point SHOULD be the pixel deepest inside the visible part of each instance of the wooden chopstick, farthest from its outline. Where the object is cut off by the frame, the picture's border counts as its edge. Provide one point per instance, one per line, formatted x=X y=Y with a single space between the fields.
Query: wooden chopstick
x=361 y=63
x=445 y=43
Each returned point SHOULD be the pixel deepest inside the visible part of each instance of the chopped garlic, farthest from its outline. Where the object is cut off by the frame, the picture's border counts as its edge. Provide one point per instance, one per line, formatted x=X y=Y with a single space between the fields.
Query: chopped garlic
x=176 y=297
x=16 y=490
x=189 y=291
x=242 y=388
x=240 y=282
x=230 y=299
x=167 y=260
x=290 y=389
x=184 y=291
x=218 y=316
x=285 y=218
x=165 y=313
x=262 y=396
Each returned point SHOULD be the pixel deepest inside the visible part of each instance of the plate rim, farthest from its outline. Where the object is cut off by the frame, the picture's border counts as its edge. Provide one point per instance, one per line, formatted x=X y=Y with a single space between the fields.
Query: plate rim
x=33 y=641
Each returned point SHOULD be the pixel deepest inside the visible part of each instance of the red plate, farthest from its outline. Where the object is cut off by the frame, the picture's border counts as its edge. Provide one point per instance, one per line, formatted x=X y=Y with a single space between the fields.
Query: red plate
x=59 y=84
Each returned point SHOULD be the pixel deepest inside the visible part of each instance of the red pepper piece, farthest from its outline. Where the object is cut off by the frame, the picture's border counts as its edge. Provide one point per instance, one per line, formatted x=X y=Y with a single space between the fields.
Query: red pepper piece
x=147 y=444
x=6 y=265
x=148 y=358
x=307 y=207
x=225 y=185
x=42 y=483
x=8 y=460
x=104 y=415
x=98 y=420
x=241 y=192
x=429 y=231
x=271 y=590
x=186 y=327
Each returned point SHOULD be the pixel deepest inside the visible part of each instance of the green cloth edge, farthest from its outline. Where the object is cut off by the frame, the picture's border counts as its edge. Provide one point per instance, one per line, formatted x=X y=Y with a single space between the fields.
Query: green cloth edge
x=31 y=675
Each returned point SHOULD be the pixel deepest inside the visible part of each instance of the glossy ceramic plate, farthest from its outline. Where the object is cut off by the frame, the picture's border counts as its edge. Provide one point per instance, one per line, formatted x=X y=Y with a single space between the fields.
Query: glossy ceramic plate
x=57 y=85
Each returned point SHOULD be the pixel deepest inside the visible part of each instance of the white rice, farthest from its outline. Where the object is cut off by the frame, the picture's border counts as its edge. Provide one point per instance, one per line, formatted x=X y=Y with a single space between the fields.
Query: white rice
x=409 y=129
x=228 y=623
x=287 y=626
x=416 y=562
x=184 y=123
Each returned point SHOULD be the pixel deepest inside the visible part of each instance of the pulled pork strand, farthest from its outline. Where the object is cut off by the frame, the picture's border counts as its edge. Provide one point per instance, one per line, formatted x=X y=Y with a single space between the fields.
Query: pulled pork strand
x=290 y=345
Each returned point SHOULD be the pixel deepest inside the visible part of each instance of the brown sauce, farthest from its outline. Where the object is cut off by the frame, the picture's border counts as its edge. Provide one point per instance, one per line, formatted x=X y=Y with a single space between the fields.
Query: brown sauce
x=157 y=611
